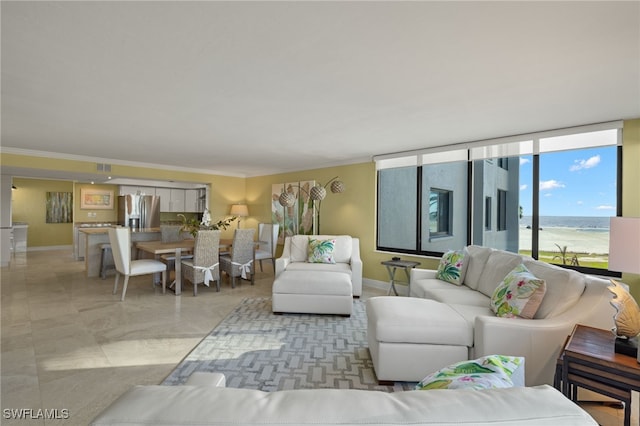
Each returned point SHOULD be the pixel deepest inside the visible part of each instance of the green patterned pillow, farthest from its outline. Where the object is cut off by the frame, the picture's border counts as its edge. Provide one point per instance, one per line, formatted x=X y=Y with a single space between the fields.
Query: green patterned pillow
x=492 y=371
x=519 y=294
x=453 y=266
x=321 y=251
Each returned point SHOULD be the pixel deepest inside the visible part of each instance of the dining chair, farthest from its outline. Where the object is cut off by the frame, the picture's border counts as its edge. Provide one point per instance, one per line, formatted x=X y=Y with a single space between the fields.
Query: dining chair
x=120 y=239
x=268 y=237
x=170 y=234
x=205 y=264
x=240 y=260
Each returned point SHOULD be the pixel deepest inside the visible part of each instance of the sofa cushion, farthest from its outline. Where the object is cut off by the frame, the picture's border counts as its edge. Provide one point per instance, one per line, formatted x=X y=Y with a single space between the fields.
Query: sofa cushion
x=319 y=267
x=453 y=266
x=477 y=259
x=488 y=372
x=498 y=265
x=321 y=251
x=519 y=294
x=412 y=320
x=318 y=283
x=342 y=250
x=564 y=287
x=460 y=295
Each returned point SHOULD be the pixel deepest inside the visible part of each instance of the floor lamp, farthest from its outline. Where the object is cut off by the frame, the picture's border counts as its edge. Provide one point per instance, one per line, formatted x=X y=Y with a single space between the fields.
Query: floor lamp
x=624 y=256
x=240 y=211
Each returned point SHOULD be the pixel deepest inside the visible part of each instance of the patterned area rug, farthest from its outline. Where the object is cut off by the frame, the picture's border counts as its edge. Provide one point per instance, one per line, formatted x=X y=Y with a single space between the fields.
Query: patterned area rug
x=256 y=349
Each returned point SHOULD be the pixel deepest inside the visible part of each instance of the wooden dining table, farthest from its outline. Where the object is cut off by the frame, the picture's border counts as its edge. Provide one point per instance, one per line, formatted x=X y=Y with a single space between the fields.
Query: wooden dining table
x=158 y=248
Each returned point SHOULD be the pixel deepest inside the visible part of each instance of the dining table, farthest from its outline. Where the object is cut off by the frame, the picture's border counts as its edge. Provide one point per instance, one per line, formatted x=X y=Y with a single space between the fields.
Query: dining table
x=158 y=248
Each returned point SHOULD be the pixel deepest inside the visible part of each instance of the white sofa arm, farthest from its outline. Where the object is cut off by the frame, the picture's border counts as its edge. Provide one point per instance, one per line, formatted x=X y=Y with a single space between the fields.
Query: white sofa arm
x=421 y=274
x=538 y=341
x=285 y=258
x=356 y=268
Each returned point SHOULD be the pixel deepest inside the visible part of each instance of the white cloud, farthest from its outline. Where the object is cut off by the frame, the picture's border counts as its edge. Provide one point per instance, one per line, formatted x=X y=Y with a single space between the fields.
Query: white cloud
x=523 y=187
x=580 y=203
x=585 y=164
x=546 y=185
x=605 y=207
x=524 y=161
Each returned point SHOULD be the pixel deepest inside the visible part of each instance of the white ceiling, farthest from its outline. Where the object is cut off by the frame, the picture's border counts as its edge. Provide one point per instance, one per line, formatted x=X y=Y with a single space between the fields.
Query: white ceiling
x=255 y=88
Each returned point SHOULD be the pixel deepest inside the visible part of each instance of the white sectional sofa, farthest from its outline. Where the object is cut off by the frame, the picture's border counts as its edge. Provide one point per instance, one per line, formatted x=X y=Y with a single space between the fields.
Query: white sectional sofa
x=301 y=286
x=570 y=298
x=210 y=404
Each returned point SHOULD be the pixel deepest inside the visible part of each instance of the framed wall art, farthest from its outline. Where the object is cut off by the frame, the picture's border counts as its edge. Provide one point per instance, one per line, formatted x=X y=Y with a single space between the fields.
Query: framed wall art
x=59 y=207
x=96 y=199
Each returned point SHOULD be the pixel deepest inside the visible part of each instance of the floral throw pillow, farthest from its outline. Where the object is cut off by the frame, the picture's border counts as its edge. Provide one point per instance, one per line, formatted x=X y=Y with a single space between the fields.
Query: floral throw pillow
x=453 y=266
x=492 y=371
x=519 y=294
x=321 y=251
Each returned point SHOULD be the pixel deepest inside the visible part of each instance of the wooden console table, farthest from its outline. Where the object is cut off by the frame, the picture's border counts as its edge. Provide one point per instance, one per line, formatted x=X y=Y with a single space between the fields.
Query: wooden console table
x=590 y=362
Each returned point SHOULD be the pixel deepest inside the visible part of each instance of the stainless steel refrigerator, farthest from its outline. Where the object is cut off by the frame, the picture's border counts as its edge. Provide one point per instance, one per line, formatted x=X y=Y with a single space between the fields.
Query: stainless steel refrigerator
x=139 y=211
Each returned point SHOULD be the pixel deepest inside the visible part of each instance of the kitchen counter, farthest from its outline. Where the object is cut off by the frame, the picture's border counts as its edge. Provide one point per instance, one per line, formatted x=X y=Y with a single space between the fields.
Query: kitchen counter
x=95 y=237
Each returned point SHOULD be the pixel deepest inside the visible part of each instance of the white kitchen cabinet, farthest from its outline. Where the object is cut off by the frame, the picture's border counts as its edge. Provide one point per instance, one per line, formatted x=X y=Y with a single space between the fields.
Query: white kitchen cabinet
x=165 y=199
x=137 y=190
x=194 y=200
x=177 y=200
x=171 y=199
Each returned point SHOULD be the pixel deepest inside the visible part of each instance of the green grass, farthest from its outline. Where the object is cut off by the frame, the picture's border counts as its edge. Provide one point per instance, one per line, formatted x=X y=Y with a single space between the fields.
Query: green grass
x=584 y=259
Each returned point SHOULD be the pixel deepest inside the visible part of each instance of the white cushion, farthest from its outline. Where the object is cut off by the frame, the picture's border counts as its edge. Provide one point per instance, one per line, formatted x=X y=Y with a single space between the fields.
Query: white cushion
x=414 y=320
x=147 y=266
x=320 y=267
x=342 y=251
x=498 y=265
x=463 y=297
x=564 y=288
x=477 y=259
x=320 y=283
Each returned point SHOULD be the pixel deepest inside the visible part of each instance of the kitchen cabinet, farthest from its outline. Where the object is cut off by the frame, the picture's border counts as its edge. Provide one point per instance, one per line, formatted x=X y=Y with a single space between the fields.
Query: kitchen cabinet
x=137 y=190
x=171 y=199
x=194 y=200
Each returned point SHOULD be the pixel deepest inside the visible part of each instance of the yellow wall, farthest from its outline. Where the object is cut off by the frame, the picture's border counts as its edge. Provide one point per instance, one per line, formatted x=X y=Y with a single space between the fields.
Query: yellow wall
x=29 y=205
x=351 y=212
x=631 y=186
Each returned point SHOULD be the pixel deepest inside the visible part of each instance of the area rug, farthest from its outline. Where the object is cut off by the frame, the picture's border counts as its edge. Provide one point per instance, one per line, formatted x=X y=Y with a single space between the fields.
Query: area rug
x=256 y=349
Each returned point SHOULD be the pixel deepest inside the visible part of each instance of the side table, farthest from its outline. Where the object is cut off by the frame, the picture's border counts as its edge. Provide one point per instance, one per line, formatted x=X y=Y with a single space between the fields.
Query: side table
x=590 y=362
x=392 y=265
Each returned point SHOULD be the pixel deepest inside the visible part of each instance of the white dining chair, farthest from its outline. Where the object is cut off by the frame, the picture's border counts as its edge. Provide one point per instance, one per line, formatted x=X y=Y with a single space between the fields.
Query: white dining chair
x=120 y=239
x=268 y=237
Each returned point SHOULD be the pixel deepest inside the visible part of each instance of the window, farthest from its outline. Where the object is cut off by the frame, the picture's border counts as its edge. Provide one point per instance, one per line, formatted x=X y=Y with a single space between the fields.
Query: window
x=502 y=210
x=487 y=213
x=439 y=212
x=548 y=195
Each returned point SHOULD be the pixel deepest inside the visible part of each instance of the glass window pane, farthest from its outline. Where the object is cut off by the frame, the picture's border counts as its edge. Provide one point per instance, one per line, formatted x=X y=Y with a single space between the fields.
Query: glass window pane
x=444 y=206
x=577 y=197
x=499 y=178
x=397 y=208
x=525 y=207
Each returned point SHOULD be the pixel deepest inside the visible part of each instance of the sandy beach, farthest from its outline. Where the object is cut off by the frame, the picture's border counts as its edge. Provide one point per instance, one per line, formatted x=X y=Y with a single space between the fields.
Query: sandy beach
x=592 y=242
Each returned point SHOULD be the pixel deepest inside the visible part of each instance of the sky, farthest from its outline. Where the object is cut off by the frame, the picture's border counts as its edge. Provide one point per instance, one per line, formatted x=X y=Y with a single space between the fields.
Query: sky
x=572 y=183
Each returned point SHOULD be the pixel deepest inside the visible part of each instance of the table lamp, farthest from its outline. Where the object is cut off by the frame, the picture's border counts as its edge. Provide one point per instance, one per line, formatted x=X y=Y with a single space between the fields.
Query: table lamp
x=239 y=210
x=624 y=256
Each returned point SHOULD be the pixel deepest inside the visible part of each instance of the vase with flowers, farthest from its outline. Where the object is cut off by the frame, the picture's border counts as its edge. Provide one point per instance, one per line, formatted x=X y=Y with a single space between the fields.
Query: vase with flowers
x=194 y=225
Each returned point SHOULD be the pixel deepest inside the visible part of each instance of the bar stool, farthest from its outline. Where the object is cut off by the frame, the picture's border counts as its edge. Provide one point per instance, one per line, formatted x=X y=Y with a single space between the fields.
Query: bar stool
x=106 y=255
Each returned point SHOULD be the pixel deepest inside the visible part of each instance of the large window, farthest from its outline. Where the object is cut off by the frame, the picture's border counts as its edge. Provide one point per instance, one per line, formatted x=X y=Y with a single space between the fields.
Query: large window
x=549 y=195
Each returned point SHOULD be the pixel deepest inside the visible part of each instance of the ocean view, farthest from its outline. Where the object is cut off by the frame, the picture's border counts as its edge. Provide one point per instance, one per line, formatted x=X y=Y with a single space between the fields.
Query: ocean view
x=584 y=223
x=579 y=234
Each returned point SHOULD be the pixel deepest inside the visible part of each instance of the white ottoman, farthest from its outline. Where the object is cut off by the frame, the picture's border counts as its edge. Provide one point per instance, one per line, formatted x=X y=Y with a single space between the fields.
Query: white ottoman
x=312 y=292
x=411 y=337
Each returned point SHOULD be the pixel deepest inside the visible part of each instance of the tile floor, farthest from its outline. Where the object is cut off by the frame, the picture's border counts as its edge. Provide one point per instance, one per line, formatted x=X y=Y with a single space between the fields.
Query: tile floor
x=68 y=344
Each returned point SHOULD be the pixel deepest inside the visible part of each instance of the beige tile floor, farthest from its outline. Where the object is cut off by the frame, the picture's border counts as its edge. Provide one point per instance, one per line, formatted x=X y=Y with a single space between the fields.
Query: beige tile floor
x=69 y=344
